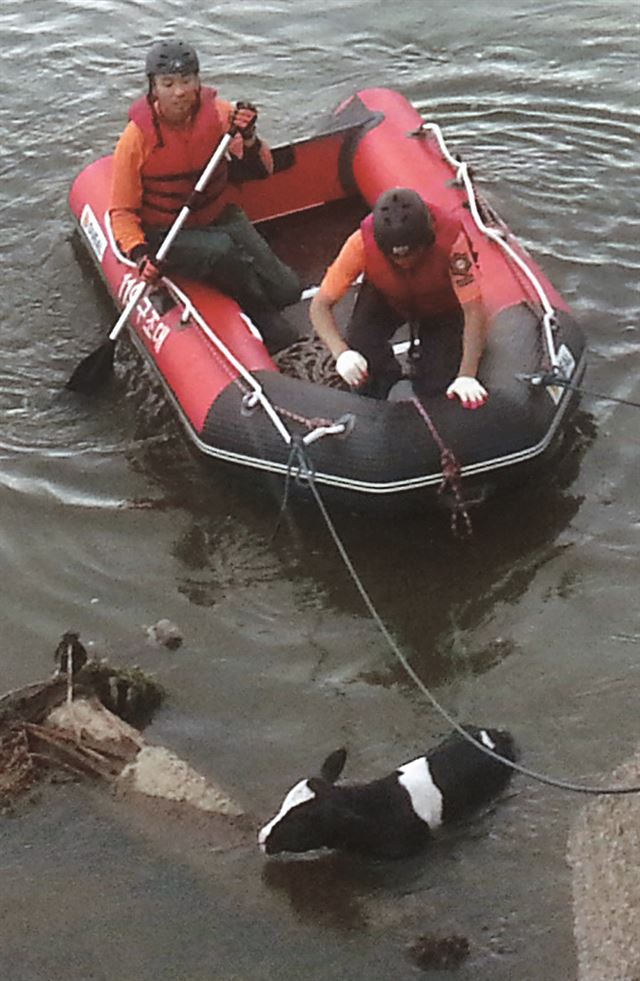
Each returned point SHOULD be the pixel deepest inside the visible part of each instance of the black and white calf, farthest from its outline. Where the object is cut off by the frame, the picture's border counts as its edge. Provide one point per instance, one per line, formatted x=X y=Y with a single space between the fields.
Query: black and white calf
x=394 y=816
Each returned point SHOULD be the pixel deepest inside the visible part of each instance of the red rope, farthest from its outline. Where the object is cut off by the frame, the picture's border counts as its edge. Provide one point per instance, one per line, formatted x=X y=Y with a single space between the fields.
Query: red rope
x=314 y=423
x=451 y=476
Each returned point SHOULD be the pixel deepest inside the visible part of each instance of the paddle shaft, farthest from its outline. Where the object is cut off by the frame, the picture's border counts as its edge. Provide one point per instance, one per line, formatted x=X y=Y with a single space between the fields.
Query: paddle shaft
x=169 y=238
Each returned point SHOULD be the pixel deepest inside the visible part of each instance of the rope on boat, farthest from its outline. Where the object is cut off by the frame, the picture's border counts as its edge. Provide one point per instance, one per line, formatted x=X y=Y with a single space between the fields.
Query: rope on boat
x=451 y=475
x=304 y=466
x=549 y=320
x=299 y=460
x=254 y=391
x=552 y=378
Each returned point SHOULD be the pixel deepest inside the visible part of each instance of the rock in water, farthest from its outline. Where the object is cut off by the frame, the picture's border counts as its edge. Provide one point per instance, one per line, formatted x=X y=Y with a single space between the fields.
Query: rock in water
x=165 y=632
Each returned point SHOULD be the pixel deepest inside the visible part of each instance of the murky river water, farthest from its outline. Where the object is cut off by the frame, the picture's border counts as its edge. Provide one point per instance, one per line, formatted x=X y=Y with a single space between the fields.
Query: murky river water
x=107 y=522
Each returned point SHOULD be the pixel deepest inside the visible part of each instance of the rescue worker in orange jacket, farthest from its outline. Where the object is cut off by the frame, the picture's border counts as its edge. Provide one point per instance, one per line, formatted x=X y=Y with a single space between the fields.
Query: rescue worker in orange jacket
x=418 y=267
x=172 y=132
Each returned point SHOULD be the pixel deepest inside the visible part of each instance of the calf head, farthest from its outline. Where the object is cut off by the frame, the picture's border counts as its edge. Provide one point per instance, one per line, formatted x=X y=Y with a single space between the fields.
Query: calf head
x=313 y=814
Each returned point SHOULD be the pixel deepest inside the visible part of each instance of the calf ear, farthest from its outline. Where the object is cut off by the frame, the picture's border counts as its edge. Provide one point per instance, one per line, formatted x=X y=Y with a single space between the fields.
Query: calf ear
x=333 y=765
x=319 y=786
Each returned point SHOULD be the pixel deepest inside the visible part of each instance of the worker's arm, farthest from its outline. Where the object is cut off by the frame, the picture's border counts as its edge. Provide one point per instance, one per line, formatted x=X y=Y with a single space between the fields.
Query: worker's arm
x=466 y=386
x=464 y=279
x=473 y=337
x=324 y=323
x=341 y=274
x=126 y=189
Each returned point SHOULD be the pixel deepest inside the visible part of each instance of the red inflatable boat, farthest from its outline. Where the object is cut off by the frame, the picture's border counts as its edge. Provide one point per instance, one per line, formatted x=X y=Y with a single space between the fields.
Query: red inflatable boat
x=240 y=408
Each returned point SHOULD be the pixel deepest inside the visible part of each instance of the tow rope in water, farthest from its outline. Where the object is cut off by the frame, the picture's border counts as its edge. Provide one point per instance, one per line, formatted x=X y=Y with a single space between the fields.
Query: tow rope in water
x=298 y=456
x=552 y=378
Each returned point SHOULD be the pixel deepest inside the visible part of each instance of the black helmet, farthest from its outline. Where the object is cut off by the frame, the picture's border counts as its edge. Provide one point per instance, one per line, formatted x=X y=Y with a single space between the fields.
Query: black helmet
x=401 y=220
x=172 y=58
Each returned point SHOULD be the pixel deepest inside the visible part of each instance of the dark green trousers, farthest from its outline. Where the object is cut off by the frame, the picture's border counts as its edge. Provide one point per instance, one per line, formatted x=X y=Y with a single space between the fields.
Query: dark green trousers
x=235 y=258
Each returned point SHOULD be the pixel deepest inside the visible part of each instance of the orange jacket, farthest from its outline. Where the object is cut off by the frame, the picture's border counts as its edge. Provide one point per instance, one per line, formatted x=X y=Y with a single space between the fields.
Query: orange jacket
x=176 y=161
x=129 y=160
x=425 y=289
x=351 y=261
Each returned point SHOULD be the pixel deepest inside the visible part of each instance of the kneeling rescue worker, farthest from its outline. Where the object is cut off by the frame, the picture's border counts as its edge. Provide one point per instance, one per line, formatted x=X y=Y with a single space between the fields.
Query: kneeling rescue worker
x=418 y=267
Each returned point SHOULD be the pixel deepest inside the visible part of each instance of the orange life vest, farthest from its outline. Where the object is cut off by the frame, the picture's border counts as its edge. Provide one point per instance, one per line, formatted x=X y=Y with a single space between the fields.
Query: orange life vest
x=177 y=160
x=425 y=290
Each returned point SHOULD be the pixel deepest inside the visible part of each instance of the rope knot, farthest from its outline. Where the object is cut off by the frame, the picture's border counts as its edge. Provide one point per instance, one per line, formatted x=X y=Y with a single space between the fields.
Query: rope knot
x=450 y=468
x=451 y=476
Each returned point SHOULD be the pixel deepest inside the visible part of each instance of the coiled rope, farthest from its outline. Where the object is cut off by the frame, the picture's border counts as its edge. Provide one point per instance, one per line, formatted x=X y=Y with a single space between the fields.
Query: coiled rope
x=305 y=467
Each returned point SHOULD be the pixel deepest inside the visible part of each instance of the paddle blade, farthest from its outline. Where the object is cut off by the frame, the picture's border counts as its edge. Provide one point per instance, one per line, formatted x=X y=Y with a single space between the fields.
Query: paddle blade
x=94 y=370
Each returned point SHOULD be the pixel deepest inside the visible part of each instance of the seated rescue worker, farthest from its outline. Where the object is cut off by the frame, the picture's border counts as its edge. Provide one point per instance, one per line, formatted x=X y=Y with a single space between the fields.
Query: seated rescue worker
x=418 y=267
x=172 y=133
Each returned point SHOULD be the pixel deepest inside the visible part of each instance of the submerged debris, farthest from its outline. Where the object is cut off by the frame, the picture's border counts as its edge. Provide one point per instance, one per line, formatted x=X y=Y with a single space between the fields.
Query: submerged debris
x=165 y=632
x=41 y=730
x=87 y=727
x=128 y=692
x=18 y=769
x=434 y=953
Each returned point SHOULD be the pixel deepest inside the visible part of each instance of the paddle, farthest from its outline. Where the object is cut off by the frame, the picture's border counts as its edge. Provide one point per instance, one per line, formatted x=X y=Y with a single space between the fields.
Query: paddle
x=96 y=367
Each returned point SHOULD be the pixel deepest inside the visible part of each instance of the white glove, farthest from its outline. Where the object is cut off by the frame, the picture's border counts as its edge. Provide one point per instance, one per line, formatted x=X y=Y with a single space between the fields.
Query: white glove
x=352 y=367
x=469 y=391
